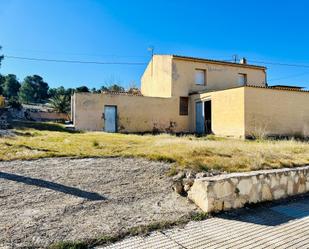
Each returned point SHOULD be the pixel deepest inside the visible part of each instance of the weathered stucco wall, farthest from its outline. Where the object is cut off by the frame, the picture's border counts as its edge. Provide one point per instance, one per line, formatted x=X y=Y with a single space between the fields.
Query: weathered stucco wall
x=157 y=78
x=276 y=112
x=218 y=76
x=227 y=111
x=235 y=190
x=135 y=113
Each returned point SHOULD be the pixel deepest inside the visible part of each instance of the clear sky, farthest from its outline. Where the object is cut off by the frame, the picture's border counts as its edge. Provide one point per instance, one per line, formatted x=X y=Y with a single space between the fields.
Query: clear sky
x=121 y=31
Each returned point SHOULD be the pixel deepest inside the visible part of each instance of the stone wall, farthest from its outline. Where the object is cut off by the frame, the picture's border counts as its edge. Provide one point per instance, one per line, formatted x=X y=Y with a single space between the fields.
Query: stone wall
x=4 y=118
x=234 y=190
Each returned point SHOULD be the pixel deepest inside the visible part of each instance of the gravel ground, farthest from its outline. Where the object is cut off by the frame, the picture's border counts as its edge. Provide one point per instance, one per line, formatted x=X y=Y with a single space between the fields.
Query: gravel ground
x=49 y=200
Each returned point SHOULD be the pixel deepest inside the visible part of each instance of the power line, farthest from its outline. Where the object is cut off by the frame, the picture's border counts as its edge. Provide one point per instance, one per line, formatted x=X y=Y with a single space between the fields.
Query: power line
x=289 y=77
x=281 y=64
x=73 y=53
x=133 y=63
x=74 y=61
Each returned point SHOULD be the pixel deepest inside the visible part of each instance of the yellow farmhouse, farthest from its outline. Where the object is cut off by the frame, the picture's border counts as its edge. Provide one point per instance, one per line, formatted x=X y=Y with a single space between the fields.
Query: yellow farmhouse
x=192 y=95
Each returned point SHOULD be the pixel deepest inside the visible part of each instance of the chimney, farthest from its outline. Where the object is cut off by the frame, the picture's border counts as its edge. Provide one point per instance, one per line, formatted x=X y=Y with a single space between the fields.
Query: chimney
x=243 y=61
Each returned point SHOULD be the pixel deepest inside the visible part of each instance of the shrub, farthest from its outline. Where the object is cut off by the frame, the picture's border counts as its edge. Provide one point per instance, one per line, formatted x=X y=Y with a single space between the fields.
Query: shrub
x=14 y=103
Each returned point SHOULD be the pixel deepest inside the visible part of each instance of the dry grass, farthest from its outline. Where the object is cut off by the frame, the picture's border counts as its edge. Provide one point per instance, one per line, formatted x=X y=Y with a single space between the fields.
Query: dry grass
x=188 y=151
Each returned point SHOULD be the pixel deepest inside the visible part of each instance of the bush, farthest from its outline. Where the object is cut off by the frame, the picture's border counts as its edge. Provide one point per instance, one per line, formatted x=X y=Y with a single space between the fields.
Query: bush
x=14 y=103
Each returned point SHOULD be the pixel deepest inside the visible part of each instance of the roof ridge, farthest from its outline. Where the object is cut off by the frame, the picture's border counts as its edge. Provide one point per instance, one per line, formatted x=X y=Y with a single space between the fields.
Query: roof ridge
x=217 y=61
x=278 y=88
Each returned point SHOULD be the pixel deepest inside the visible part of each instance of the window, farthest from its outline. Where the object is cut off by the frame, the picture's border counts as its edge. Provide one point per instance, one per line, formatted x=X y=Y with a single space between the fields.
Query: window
x=183 y=106
x=242 y=79
x=200 y=77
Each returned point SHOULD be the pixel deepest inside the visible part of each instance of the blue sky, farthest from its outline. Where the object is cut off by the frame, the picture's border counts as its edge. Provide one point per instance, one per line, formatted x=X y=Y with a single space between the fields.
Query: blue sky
x=121 y=31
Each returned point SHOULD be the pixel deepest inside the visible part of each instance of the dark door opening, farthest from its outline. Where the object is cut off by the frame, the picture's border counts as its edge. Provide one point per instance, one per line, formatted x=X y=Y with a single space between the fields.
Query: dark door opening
x=207 y=115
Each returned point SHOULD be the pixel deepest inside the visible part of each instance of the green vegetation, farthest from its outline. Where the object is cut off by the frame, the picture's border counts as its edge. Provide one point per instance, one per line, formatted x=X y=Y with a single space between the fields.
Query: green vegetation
x=199 y=216
x=33 y=90
x=69 y=245
x=38 y=140
x=10 y=86
x=60 y=103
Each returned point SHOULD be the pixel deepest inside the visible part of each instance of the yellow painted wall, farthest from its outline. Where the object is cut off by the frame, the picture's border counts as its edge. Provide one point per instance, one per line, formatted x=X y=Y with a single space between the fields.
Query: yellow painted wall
x=228 y=117
x=157 y=78
x=2 y=102
x=276 y=112
x=218 y=76
x=135 y=113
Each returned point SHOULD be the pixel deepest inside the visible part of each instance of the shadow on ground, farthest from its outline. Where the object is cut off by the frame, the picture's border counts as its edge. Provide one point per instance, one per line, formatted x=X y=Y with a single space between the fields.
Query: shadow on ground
x=91 y=196
x=272 y=214
x=41 y=126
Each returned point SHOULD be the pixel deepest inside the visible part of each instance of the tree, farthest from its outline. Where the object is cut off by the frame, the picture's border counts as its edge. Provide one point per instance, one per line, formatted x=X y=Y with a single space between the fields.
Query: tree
x=134 y=90
x=10 y=86
x=1 y=56
x=2 y=78
x=27 y=92
x=14 y=103
x=41 y=87
x=82 y=89
x=34 y=89
x=113 y=88
x=69 y=91
x=60 y=103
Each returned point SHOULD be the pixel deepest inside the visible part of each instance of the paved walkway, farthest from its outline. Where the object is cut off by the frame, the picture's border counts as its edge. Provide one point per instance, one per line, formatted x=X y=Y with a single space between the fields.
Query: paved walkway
x=283 y=225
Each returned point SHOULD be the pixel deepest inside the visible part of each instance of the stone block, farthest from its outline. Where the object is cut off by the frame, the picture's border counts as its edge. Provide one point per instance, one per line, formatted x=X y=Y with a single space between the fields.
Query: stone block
x=222 y=189
x=244 y=186
x=266 y=193
x=290 y=187
x=278 y=193
x=301 y=188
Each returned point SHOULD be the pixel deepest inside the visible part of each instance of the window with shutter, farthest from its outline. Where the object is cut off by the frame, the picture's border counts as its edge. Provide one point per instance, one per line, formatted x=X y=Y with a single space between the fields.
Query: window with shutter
x=183 y=106
x=200 y=77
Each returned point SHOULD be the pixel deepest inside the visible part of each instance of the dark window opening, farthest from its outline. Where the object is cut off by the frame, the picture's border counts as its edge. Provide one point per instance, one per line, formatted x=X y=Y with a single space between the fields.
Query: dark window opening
x=184 y=106
x=207 y=113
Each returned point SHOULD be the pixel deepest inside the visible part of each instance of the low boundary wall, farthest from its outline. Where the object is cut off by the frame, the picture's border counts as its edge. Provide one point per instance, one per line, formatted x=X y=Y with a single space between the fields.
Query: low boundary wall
x=234 y=190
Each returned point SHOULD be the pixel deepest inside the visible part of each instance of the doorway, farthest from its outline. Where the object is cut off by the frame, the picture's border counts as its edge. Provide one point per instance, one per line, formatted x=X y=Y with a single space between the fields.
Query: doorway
x=207 y=113
x=199 y=118
x=203 y=117
x=110 y=118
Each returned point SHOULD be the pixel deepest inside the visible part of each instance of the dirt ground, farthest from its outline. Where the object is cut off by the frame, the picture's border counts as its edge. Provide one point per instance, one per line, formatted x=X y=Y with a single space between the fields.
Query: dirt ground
x=48 y=200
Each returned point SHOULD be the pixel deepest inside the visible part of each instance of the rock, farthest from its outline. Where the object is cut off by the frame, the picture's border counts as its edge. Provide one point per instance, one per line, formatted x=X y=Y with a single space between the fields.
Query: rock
x=283 y=180
x=290 y=187
x=279 y=193
x=223 y=189
x=190 y=174
x=274 y=182
x=254 y=196
x=244 y=186
x=239 y=203
x=187 y=187
x=179 y=176
x=178 y=187
x=266 y=193
x=301 y=188
x=227 y=205
x=201 y=175
x=187 y=183
x=307 y=186
x=217 y=205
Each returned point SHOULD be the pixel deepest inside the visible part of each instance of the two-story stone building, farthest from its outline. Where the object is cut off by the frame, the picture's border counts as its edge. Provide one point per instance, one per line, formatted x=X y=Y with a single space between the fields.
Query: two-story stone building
x=194 y=95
